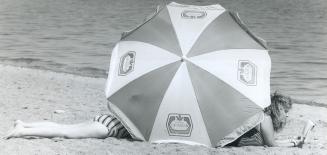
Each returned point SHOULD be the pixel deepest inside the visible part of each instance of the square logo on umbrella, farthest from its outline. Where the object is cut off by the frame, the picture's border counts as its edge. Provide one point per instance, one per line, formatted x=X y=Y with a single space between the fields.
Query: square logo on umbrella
x=193 y=14
x=247 y=72
x=179 y=125
x=126 y=64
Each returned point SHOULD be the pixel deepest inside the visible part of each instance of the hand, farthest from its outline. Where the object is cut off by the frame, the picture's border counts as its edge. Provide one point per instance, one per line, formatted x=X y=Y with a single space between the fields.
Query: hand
x=298 y=142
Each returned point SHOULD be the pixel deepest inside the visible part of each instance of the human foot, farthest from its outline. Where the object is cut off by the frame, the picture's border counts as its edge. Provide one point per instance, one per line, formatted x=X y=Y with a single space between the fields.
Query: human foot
x=14 y=132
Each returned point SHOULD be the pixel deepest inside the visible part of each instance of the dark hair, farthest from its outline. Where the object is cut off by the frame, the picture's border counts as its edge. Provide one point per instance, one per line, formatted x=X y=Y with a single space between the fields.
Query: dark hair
x=278 y=108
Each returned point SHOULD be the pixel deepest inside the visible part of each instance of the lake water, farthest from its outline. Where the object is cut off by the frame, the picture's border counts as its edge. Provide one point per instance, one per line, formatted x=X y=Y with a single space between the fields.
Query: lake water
x=77 y=36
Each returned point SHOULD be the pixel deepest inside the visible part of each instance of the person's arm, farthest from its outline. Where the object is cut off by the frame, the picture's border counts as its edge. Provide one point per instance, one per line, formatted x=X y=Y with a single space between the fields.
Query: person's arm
x=267 y=131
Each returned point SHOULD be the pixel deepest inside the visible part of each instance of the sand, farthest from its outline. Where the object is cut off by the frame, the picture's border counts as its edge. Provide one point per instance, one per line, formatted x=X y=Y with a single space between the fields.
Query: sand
x=34 y=95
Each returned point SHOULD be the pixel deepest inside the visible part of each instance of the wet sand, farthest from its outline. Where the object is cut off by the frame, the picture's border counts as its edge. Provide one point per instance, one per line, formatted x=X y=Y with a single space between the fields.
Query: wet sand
x=34 y=95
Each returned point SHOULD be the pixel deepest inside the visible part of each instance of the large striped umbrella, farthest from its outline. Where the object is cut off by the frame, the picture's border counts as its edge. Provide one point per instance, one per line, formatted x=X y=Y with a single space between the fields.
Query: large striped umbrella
x=190 y=74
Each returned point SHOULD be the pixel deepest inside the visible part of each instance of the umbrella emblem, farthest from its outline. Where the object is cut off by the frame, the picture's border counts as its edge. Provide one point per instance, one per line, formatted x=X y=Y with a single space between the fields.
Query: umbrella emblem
x=247 y=72
x=193 y=14
x=179 y=124
x=126 y=64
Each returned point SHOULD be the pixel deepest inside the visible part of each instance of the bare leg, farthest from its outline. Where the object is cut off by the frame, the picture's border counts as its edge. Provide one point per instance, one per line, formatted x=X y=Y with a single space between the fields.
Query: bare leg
x=36 y=124
x=74 y=131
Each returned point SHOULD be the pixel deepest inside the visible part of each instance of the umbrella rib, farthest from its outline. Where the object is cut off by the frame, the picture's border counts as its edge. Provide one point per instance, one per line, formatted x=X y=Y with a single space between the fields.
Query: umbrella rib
x=137 y=27
x=238 y=20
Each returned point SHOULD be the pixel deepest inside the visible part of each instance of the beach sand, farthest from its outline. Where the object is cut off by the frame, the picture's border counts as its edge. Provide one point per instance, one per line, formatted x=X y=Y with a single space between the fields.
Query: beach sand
x=34 y=95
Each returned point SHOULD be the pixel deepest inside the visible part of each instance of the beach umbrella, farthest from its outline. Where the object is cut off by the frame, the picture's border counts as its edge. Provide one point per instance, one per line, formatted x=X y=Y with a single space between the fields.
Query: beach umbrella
x=188 y=74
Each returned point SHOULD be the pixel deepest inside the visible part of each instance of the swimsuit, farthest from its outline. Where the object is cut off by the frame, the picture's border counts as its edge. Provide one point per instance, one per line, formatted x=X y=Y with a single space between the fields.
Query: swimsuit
x=114 y=126
x=250 y=138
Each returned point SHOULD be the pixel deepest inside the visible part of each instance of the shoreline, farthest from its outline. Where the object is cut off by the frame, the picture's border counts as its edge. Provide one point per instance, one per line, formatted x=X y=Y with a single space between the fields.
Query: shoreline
x=296 y=101
x=33 y=95
x=87 y=71
x=310 y=103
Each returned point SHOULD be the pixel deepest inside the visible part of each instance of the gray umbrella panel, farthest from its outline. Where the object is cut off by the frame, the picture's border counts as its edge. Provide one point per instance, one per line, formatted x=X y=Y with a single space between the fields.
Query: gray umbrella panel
x=220 y=104
x=224 y=33
x=157 y=31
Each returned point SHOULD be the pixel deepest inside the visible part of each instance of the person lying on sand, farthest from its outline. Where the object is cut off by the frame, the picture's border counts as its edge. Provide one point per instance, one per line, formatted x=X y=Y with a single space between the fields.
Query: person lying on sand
x=104 y=126
x=274 y=120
